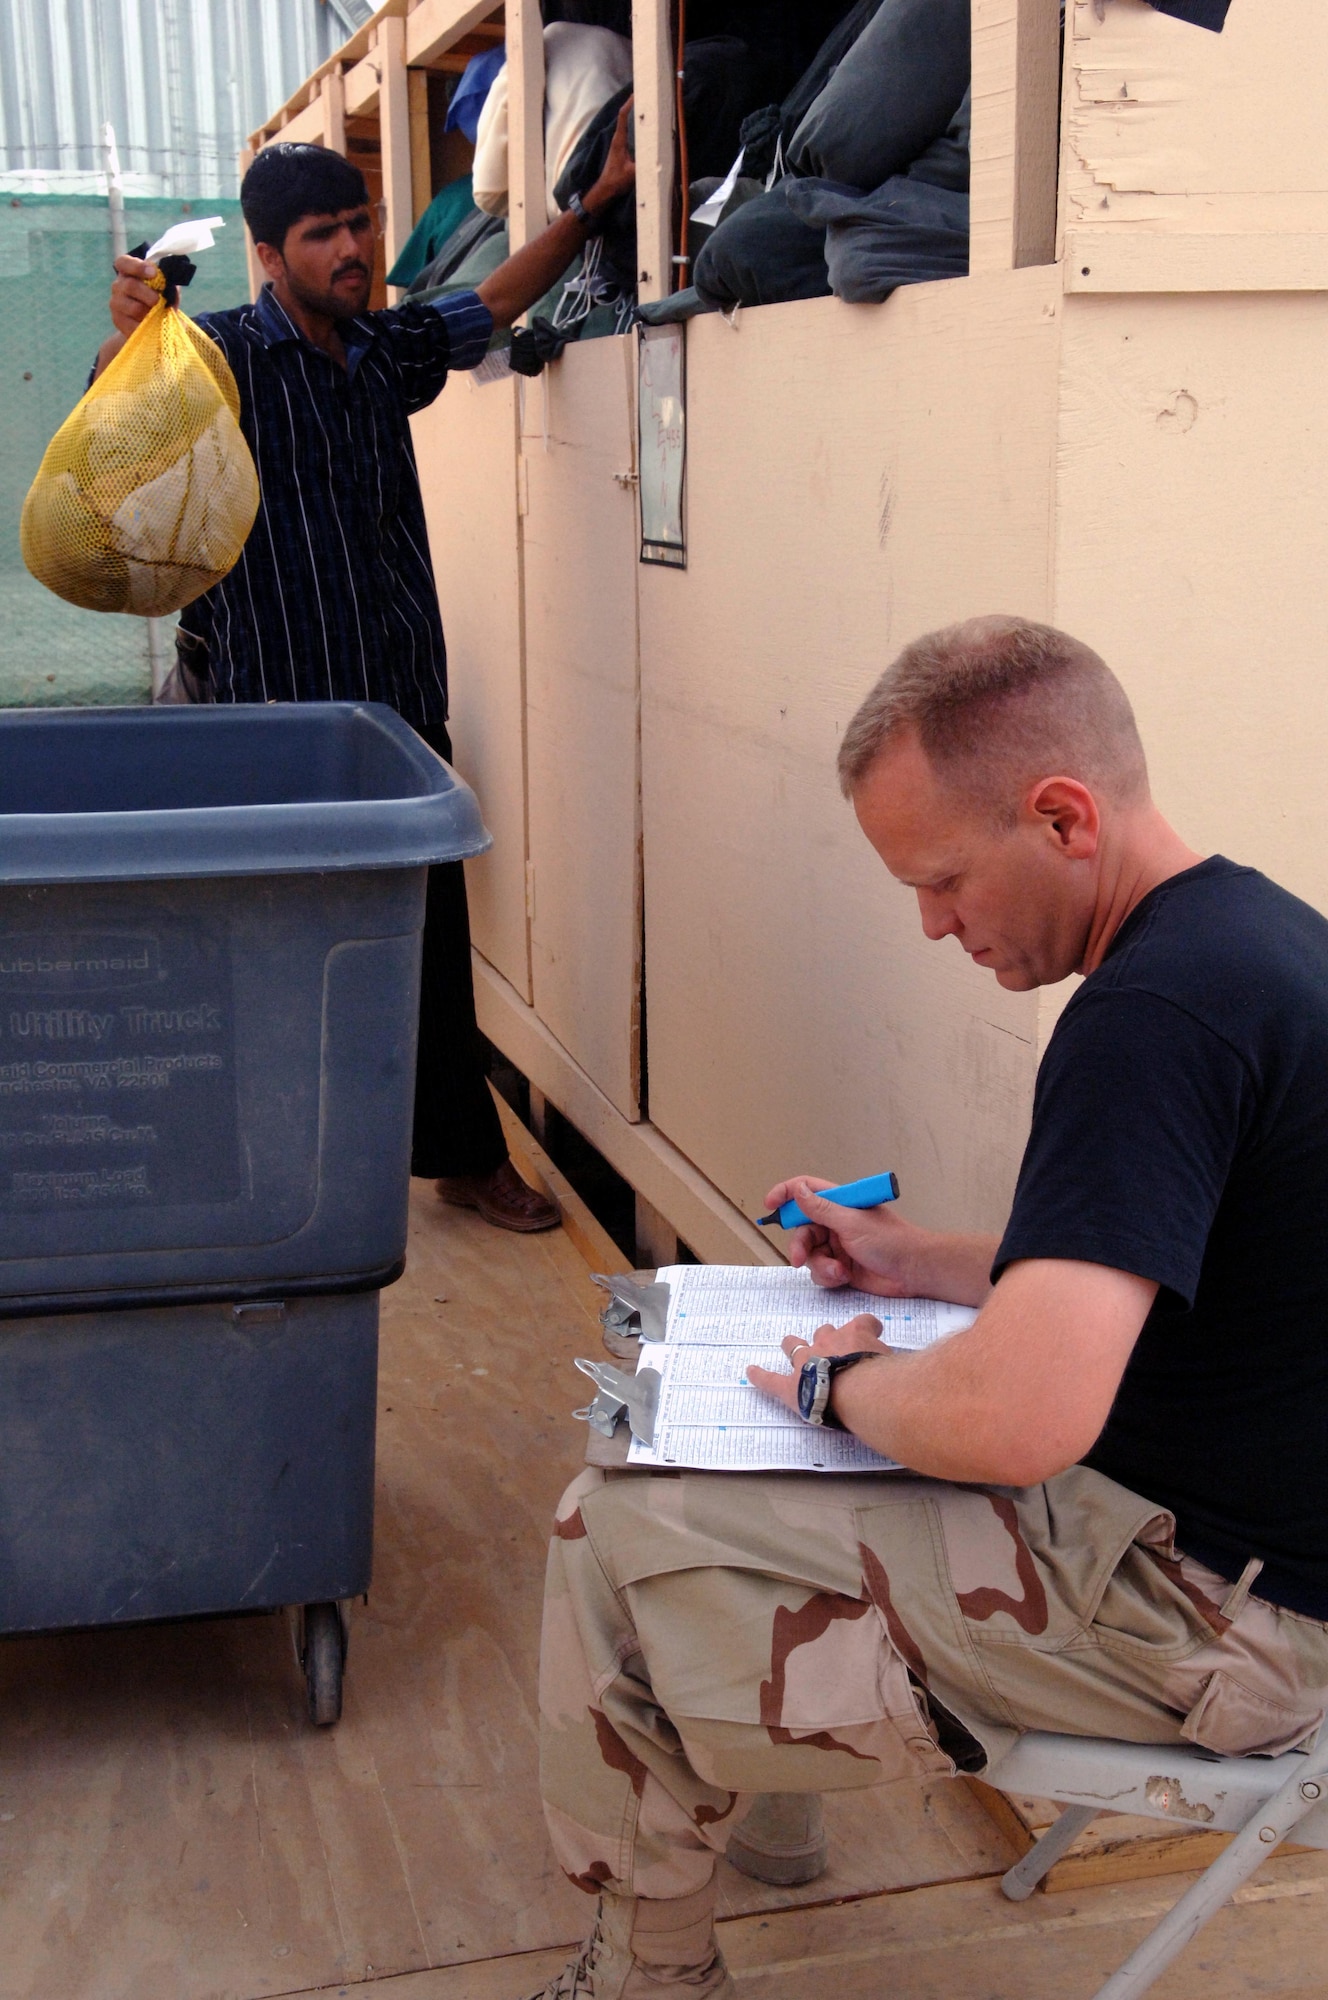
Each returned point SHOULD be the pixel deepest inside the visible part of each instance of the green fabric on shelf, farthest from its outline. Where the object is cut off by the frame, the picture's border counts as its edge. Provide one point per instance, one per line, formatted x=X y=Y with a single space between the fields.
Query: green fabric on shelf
x=449 y=207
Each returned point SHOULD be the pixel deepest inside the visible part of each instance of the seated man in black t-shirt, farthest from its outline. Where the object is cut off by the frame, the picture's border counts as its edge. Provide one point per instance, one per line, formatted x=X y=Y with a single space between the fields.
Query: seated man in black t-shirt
x=1122 y=1524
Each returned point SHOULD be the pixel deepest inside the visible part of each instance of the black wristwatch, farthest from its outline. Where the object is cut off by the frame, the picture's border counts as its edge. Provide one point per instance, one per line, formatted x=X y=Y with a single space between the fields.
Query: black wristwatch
x=816 y=1379
x=592 y=224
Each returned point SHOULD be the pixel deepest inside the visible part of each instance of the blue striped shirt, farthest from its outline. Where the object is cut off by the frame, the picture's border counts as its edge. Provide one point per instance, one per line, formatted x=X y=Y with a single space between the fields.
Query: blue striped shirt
x=333 y=598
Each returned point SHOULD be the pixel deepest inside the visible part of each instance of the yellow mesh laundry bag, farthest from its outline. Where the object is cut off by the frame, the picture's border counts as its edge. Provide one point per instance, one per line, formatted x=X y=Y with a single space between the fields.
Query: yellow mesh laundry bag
x=147 y=490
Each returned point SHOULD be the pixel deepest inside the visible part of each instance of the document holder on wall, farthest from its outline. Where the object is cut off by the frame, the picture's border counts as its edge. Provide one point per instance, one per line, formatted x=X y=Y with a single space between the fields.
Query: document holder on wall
x=662 y=443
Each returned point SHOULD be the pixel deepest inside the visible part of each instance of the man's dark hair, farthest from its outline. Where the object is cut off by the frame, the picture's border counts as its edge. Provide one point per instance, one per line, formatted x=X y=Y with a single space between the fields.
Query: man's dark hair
x=287 y=182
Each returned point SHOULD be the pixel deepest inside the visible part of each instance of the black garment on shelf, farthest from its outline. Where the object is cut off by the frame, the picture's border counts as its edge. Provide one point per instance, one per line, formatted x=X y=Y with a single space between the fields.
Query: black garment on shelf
x=894 y=92
x=613 y=14
x=945 y=162
x=468 y=235
x=904 y=233
x=678 y=306
x=715 y=94
x=771 y=127
x=1199 y=13
x=763 y=255
x=1180 y=1132
x=891 y=116
x=716 y=97
x=618 y=220
x=456 y=1126
x=782 y=37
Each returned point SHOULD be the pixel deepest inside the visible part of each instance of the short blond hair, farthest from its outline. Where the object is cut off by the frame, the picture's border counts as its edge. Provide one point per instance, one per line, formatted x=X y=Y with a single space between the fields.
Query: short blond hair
x=996 y=703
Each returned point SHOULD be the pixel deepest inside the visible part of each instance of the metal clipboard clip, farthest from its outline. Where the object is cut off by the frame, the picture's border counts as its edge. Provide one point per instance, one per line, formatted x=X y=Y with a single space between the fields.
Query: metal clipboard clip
x=636 y=1395
x=630 y=1300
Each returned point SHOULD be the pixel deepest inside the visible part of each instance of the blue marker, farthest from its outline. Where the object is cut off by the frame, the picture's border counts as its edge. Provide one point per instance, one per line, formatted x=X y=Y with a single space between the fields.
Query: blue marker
x=877 y=1188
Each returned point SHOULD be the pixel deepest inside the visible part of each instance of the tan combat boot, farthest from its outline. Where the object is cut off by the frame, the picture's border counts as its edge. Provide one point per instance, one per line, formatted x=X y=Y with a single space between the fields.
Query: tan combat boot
x=642 y=1949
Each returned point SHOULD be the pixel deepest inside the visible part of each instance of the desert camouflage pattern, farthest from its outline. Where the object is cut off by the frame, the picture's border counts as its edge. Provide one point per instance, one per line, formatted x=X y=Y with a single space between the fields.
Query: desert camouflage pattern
x=709 y=1636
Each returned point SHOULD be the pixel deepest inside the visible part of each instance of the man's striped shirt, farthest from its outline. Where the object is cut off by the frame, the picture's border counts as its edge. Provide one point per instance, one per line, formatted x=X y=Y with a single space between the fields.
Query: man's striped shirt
x=334 y=597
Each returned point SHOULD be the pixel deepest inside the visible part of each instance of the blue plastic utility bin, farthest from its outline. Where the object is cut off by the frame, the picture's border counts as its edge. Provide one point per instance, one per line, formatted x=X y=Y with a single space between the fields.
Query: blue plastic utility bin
x=181 y=1460
x=209 y=981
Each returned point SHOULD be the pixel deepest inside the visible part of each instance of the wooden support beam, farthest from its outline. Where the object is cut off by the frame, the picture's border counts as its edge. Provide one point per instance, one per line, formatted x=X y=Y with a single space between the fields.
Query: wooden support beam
x=421 y=155
x=717 y=1231
x=656 y=1237
x=304 y=128
x=394 y=123
x=1016 y=92
x=434 y=26
x=526 y=215
x=653 y=63
x=334 y=110
x=362 y=88
x=589 y=1235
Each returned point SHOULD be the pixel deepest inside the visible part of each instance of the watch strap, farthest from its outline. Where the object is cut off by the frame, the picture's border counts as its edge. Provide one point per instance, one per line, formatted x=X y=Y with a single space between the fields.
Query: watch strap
x=834 y=1365
x=592 y=224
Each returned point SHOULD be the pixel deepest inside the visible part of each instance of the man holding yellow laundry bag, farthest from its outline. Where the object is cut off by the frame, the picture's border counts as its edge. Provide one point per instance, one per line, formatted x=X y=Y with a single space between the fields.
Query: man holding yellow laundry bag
x=333 y=598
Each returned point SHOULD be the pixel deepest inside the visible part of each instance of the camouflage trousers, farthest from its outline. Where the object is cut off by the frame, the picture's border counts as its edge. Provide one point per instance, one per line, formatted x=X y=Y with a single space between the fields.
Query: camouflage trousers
x=710 y=1636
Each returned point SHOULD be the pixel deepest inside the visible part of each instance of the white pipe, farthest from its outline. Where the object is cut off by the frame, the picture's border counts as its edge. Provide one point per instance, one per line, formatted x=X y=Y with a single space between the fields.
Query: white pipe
x=114 y=191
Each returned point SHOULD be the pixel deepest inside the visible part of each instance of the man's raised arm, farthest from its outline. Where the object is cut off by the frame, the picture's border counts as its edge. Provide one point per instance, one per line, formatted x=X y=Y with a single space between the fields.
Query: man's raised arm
x=516 y=285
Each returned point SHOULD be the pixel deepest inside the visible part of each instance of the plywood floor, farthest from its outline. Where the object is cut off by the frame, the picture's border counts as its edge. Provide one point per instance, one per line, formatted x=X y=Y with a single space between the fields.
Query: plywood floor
x=171 y=1828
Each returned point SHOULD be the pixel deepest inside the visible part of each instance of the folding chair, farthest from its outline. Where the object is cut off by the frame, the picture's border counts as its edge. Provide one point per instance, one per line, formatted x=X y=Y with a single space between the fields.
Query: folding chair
x=1262 y=1800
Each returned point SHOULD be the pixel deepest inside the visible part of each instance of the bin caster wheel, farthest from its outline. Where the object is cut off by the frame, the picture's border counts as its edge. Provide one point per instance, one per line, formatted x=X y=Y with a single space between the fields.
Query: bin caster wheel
x=324 y=1661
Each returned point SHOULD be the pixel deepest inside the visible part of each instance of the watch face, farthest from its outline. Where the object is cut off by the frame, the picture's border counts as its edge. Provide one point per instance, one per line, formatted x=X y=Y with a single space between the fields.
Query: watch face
x=807 y=1383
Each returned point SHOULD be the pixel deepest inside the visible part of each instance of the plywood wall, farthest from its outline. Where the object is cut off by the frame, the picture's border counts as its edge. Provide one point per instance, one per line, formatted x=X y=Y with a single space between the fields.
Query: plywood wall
x=1192 y=551
x=579 y=532
x=1141 y=463
x=1168 y=127
x=466 y=445
x=856 y=475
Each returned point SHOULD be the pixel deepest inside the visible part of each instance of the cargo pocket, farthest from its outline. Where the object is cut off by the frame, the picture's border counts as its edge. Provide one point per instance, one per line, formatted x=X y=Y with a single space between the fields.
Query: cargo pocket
x=1236 y=1721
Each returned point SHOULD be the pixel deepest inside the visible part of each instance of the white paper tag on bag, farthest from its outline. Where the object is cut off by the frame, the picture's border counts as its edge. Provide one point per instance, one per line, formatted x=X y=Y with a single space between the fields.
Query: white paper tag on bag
x=713 y=206
x=182 y=239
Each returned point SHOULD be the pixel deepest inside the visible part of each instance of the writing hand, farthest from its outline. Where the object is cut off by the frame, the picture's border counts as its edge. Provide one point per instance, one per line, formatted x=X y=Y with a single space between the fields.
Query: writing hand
x=874 y=1249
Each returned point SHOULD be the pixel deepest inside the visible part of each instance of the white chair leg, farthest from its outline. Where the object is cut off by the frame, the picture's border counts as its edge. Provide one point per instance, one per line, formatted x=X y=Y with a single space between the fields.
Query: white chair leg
x=1021 y=1880
x=1253 y=1844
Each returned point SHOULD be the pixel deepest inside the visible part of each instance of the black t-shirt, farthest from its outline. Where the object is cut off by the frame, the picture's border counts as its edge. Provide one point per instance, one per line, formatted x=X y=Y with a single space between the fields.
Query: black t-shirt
x=1180 y=1131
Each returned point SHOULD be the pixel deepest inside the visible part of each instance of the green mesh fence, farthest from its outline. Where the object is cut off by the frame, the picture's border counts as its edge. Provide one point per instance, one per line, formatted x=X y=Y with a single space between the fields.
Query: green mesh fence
x=55 y=274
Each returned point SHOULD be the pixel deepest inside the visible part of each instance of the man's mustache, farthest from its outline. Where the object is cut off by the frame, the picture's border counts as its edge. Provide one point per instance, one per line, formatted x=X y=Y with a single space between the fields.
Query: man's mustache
x=344 y=270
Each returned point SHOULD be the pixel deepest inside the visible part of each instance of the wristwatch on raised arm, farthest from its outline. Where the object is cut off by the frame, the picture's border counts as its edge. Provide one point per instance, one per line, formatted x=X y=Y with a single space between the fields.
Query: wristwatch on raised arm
x=816 y=1380
x=592 y=224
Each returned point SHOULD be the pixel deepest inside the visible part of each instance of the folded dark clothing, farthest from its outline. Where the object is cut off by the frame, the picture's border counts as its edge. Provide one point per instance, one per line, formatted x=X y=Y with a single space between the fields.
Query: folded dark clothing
x=895 y=91
x=716 y=97
x=1199 y=13
x=945 y=162
x=701 y=191
x=618 y=228
x=677 y=306
x=808 y=237
x=766 y=130
x=614 y=14
x=905 y=233
x=783 y=37
x=450 y=207
x=467 y=237
x=762 y=255
x=534 y=346
x=715 y=93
